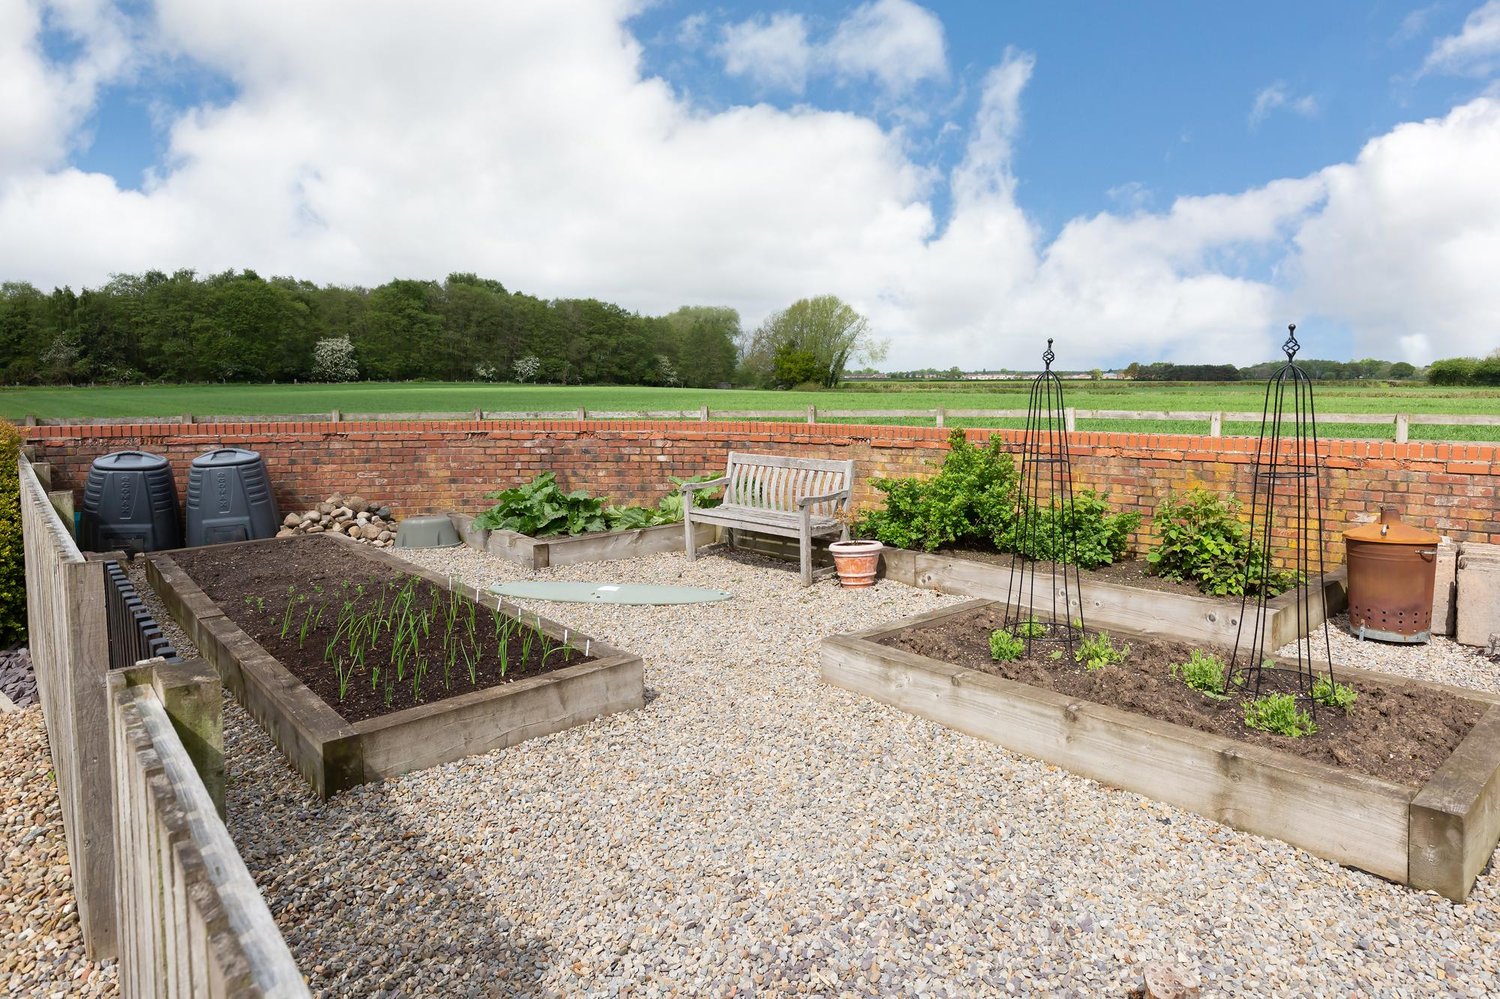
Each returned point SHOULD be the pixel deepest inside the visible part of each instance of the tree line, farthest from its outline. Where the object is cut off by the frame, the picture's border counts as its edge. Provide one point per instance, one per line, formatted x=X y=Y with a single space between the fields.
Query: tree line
x=238 y=326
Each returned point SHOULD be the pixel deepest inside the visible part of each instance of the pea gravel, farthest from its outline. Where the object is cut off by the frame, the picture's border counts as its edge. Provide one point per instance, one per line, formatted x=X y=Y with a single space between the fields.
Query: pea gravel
x=753 y=832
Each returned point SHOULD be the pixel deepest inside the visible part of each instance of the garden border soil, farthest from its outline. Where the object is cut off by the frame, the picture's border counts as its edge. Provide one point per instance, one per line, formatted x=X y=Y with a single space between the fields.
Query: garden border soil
x=333 y=754
x=602 y=546
x=1436 y=837
x=1210 y=620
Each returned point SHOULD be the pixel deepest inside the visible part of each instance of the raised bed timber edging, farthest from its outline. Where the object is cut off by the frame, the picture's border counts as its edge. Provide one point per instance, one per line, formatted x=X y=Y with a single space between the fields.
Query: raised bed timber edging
x=1438 y=837
x=604 y=546
x=1181 y=615
x=333 y=754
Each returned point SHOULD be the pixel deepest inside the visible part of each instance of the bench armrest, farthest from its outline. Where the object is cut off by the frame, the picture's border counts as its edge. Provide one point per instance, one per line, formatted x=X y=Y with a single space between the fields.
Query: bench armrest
x=689 y=487
x=807 y=501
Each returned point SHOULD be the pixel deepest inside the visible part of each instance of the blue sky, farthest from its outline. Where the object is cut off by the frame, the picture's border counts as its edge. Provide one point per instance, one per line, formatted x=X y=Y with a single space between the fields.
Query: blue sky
x=1145 y=180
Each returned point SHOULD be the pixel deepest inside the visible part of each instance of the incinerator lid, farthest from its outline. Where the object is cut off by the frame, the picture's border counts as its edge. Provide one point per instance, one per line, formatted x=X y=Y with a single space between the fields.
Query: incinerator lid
x=1389 y=530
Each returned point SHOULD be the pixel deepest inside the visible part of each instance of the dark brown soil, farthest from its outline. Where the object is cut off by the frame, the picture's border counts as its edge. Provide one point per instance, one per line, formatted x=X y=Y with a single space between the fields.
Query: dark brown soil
x=1400 y=733
x=1134 y=572
x=252 y=585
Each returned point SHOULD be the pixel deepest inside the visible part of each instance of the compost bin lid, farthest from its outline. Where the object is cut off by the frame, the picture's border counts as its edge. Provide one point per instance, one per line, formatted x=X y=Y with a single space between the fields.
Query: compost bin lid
x=224 y=457
x=130 y=461
x=1389 y=530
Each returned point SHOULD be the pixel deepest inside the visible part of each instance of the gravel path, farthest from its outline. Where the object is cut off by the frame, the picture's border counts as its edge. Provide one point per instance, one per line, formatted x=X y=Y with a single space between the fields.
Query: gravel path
x=41 y=949
x=754 y=832
x=1442 y=659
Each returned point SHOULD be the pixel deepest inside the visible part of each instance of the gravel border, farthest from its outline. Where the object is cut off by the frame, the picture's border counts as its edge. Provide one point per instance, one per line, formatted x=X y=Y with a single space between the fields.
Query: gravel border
x=752 y=831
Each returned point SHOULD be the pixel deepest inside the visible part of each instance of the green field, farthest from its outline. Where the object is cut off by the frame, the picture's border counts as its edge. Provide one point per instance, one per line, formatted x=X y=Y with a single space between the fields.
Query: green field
x=455 y=397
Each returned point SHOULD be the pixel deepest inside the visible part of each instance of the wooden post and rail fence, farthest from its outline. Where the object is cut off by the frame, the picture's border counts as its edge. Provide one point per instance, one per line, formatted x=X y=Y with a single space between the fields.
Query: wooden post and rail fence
x=1213 y=421
x=138 y=756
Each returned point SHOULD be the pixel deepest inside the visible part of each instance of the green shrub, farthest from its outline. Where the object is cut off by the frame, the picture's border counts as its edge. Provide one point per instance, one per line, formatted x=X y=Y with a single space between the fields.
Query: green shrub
x=539 y=509
x=1279 y=714
x=971 y=500
x=1098 y=652
x=1200 y=539
x=1098 y=537
x=1004 y=646
x=12 y=552
x=1334 y=694
x=1204 y=672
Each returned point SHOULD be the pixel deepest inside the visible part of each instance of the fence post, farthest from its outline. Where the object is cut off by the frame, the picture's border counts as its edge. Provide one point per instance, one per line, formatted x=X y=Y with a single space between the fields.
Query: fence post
x=83 y=662
x=334 y=416
x=1403 y=428
x=189 y=693
x=1070 y=419
x=583 y=413
x=937 y=416
x=1216 y=424
x=703 y=414
x=812 y=414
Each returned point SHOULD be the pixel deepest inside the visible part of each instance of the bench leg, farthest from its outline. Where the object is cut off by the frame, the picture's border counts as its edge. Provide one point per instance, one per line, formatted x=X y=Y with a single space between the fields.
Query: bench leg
x=805 y=550
x=687 y=528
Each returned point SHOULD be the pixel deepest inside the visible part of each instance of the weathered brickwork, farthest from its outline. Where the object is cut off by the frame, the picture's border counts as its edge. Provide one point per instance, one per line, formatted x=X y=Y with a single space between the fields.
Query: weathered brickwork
x=429 y=466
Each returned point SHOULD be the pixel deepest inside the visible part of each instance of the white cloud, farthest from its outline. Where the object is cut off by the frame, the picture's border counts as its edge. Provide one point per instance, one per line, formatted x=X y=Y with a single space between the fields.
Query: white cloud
x=1408 y=245
x=521 y=141
x=1474 y=51
x=894 y=41
x=1278 y=96
x=43 y=104
x=774 y=53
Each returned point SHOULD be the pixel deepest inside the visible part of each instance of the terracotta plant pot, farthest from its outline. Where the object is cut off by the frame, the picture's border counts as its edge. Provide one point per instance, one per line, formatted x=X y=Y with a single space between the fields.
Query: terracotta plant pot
x=856 y=562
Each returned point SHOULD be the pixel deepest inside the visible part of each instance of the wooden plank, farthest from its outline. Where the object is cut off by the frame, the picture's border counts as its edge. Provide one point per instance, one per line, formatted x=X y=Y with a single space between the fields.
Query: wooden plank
x=1349 y=818
x=1455 y=818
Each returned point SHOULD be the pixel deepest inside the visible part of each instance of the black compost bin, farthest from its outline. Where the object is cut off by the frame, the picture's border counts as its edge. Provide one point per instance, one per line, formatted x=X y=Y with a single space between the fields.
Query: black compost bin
x=229 y=498
x=129 y=504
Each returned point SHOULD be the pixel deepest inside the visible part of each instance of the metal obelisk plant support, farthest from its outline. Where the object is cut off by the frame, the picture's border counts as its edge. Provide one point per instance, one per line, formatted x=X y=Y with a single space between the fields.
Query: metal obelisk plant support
x=1285 y=483
x=1044 y=502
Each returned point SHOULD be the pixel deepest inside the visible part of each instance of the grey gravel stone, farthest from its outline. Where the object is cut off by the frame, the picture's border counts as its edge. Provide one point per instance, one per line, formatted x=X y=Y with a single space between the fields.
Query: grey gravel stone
x=754 y=832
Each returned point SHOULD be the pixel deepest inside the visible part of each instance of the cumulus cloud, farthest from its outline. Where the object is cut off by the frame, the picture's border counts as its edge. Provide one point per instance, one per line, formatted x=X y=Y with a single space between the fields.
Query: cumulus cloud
x=774 y=53
x=42 y=102
x=1406 y=248
x=1278 y=96
x=894 y=41
x=522 y=141
x=1474 y=51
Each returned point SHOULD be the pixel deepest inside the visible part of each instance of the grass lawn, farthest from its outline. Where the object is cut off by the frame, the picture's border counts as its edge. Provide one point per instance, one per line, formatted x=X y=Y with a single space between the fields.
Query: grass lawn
x=455 y=397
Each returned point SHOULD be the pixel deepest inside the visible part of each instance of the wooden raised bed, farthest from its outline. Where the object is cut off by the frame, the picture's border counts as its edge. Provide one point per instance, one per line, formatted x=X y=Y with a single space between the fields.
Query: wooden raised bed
x=604 y=546
x=1210 y=620
x=1438 y=837
x=333 y=754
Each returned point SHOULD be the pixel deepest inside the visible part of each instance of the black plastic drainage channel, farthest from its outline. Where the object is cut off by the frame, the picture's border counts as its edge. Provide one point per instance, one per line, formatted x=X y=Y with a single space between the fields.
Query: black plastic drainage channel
x=133 y=633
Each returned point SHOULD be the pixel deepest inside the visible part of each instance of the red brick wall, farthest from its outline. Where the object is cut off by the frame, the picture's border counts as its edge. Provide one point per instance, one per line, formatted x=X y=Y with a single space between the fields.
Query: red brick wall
x=423 y=467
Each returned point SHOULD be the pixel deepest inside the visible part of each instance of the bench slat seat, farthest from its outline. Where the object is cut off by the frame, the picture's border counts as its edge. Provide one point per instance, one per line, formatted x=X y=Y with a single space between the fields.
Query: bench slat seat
x=802 y=498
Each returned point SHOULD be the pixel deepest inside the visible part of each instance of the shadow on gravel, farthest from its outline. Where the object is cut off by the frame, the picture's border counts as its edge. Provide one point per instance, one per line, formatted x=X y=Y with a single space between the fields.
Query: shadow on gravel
x=399 y=912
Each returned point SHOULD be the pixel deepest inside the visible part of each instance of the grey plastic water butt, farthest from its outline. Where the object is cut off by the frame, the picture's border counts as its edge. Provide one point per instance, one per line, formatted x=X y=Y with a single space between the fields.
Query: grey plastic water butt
x=229 y=498
x=428 y=531
x=129 y=504
x=609 y=593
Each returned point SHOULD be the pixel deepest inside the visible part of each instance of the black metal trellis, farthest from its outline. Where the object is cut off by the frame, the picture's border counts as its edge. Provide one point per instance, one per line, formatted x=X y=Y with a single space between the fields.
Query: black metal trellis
x=1286 y=462
x=1045 y=476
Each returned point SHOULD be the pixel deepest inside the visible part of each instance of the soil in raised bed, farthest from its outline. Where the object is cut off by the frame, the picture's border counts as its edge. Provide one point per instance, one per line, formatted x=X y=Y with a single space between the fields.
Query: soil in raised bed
x=252 y=584
x=1398 y=732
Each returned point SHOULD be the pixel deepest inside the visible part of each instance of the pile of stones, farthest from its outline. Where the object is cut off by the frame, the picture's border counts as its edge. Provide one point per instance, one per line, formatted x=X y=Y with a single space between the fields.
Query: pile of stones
x=363 y=520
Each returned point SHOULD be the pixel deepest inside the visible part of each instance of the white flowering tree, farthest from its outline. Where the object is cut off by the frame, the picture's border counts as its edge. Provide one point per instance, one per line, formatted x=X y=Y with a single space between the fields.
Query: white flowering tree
x=333 y=360
x=526 y=368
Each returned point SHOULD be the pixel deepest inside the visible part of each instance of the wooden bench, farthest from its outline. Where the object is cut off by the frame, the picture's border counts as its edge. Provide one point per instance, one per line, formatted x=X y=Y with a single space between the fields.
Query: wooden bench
x=800 y=498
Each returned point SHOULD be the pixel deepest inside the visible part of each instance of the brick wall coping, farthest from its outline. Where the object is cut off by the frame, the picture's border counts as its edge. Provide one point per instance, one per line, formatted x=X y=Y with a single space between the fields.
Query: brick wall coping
x=1471 y=458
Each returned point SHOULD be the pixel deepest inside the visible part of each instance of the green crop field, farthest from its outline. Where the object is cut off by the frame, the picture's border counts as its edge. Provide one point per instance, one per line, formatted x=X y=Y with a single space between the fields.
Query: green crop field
x=449 y=397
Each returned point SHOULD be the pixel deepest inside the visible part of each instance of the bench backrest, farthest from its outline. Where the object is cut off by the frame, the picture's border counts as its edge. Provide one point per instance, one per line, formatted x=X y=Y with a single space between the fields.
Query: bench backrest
x=773 y=482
